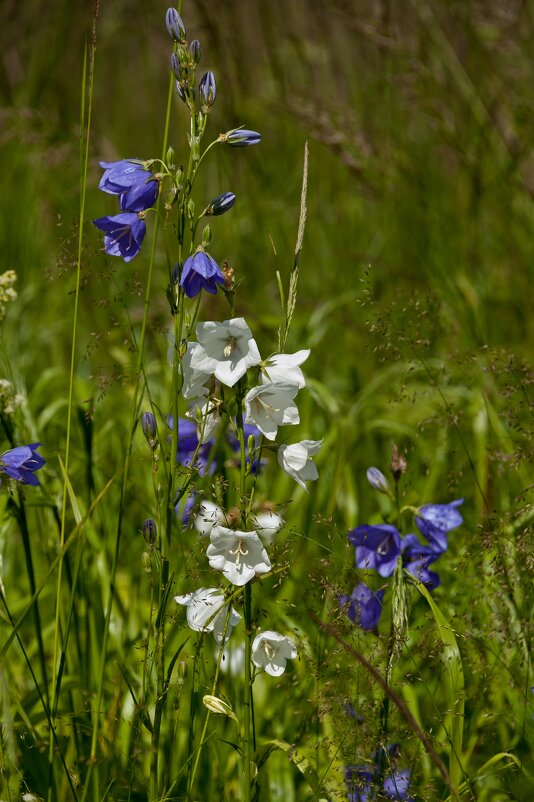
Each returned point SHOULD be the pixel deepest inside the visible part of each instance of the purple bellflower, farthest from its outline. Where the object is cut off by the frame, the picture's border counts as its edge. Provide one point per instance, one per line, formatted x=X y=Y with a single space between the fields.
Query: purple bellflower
x=124 y=234
x=377 y=547
x=20 y=464
x=136 y=187
x=416 y=558
x=363 y=606
x=187 y=446
x=200 y=272
x=240 y=138
x=435 y=520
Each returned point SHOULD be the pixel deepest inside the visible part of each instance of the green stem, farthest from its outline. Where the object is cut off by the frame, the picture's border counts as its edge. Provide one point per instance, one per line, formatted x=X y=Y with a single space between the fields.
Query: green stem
x=133 y=423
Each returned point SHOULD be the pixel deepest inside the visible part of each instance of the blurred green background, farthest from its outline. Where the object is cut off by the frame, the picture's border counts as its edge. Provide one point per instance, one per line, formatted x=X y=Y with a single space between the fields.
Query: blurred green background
x=416 y=274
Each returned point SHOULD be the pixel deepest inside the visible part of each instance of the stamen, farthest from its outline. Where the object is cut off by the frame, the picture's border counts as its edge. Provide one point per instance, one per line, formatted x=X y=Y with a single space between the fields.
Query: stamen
x=240 y=550
x=231 y=345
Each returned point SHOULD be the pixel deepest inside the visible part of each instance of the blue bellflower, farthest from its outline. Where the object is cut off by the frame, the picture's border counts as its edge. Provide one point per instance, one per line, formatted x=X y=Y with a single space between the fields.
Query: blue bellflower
x=124 y=234
x=416 y=558
x=377 y=547
x=136 y=187
x=435 y=520
x=187 y=445
x=363 y=606
x=200 y=272
x=21 y=463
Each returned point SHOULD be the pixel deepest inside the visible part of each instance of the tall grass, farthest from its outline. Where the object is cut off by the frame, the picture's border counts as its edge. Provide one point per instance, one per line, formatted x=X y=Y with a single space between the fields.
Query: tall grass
x=413 y=294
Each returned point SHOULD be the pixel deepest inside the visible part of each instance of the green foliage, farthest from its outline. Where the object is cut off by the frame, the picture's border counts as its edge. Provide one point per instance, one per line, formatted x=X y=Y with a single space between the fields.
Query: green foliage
x=414 y=284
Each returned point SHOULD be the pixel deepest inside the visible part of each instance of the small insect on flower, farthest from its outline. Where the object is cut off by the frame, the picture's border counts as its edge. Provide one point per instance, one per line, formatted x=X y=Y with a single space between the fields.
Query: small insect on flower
x=21 y=463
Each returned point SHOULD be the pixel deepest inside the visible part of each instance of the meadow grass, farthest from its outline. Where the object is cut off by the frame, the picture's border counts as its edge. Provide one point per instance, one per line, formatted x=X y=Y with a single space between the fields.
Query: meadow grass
x=414 y=297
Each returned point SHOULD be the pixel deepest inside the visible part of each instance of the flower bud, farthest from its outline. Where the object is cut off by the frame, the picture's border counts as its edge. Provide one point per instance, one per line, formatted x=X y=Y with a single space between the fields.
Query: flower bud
x=150 y=531
x=175 y=66
x=170 y=158
x=377 y=480
x=206 y=236
x=194 y=49
x=146 y=560
x=175 y=25
x=208 y=90
x=220 y=204
x=240 y=137
x=148 y=422
x=216 y=705
x=181 y=672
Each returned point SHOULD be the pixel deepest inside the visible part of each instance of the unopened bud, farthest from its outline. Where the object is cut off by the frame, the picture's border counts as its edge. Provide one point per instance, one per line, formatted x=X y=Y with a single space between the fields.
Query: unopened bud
x=181 y=672
x=170 y=159
x=208 y=91
x=150 y=531
x=206 y=236
x=148 y=422
x=220 y=204
x=146 y=560
x=377 y=480
x=216 y=705
x=194 y=49
x=175 y=25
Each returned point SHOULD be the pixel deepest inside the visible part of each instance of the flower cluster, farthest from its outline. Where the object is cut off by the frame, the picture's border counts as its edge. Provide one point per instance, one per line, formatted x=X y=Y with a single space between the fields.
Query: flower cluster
x=379 y=547
x=223 y=354
x=137 y=189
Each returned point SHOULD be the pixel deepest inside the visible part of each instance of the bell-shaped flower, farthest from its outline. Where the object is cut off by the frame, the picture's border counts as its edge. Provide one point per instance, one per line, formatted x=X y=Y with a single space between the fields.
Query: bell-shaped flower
x=271 y=651
x=227 y=350
x=207 y=611
x=20 y=463
x=124 y=234
x=209 y=515
x=136 y=186
x=296 y=460
x=270 y=406
x=377 y=547
x=363 y=606
x=267 y=524
x=284 y=368
x=435 y=520
x=396 y=785
x=239 y=555
x=200 y=272
x=195 y=381
x=416 y=558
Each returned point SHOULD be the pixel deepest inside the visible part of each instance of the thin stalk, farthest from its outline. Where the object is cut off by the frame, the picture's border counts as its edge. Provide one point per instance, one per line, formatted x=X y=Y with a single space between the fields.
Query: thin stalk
x=133 y=423
x=85 y=128
x=247 y=608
